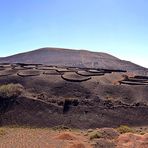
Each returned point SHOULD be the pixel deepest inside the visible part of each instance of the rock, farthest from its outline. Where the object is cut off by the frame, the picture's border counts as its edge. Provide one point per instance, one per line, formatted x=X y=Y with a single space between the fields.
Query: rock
x=109 y=133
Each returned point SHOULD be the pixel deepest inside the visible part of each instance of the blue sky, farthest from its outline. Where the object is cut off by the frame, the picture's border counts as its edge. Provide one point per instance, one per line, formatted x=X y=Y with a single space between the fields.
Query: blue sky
x=118 y=27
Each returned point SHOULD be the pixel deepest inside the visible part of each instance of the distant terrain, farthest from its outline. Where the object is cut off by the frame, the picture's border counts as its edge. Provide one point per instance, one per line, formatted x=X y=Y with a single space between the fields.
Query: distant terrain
x=72 y=58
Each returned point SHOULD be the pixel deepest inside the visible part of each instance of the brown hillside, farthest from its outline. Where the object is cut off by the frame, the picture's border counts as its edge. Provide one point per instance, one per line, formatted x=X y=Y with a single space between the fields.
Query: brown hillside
x=72 y=58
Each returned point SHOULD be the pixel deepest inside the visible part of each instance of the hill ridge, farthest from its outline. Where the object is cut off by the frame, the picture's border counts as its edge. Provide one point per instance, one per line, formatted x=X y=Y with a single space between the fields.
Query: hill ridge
x=73 y=58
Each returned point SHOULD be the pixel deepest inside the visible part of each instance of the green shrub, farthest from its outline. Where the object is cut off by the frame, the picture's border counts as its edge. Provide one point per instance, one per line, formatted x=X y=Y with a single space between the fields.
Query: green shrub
x=2 y=132
x=95 y=134
x=124 y=129
x=61 y=127
x=11 y=90
x=141 y=132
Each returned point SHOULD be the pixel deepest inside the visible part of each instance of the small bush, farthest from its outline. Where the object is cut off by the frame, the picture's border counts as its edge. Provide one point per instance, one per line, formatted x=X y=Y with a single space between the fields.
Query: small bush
x=2 y=132
x=124 y=129
x=141 y=132
x=61 y=127
x=10 y=90
x=95 y=134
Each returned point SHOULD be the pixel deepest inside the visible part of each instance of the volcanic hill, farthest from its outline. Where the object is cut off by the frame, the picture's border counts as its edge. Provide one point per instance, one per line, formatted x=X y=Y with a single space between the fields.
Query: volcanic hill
x=72 y=58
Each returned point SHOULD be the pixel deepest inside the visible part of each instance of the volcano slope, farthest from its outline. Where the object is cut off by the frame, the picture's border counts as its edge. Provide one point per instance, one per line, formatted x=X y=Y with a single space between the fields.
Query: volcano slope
x=73 y=58
x=74 y=97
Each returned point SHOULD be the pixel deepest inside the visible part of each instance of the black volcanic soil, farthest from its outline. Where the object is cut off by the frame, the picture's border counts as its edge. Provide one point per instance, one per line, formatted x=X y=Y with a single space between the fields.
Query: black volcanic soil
x=75 y=97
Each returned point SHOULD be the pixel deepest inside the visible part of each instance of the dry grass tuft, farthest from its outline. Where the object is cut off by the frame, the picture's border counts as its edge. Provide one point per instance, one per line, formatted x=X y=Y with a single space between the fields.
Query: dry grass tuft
x=11 y=90
x=125 y=129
